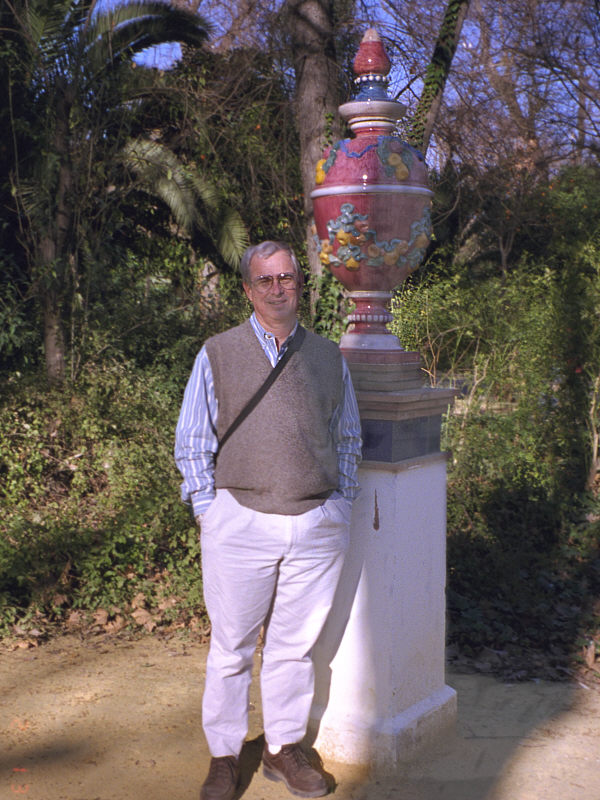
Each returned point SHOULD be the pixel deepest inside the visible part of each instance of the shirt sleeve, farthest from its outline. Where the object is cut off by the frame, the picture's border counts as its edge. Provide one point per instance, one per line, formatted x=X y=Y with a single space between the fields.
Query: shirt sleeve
x=196 y=440
x=346 y=435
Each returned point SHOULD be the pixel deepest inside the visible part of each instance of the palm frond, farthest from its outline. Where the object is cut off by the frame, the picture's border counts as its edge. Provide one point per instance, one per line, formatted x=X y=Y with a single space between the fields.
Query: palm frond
x=130 y=28
x=159 y=172
x=233 y=237
x=42 y=32
x=179 y=201
x=206 y=190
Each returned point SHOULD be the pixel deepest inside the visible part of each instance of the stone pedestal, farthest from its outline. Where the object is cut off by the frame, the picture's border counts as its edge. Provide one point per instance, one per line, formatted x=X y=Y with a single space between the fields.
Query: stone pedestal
x=380 y=686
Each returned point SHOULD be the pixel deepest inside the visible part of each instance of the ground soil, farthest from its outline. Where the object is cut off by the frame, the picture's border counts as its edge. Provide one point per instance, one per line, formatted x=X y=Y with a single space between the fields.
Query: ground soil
x=103 y=718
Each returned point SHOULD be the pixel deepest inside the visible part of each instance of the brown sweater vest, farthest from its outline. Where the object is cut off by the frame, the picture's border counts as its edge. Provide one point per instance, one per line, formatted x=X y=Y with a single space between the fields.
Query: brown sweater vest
x=282 y=458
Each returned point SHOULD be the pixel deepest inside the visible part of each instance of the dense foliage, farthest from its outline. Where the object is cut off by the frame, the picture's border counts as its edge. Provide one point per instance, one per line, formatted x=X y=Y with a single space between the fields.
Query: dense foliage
x=82 y=153
x=524 y=353
x=91 y=515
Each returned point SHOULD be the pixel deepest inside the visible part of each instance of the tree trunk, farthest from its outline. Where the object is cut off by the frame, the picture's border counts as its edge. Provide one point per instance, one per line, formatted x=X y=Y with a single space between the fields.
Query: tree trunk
x=594 y=435
x=423 y=121
x=311 y=27
x=54 y=340
x=53 y=248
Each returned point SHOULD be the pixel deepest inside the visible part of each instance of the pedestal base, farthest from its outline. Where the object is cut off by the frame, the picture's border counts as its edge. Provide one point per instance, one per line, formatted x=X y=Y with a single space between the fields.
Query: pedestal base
x=389 y=742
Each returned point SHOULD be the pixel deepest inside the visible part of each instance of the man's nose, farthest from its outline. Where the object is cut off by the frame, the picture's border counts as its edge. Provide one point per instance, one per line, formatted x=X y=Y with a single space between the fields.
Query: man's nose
x=277 y=287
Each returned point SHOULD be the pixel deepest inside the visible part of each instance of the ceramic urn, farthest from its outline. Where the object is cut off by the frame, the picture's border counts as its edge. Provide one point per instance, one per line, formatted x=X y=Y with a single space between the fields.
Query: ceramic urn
x=371 y=203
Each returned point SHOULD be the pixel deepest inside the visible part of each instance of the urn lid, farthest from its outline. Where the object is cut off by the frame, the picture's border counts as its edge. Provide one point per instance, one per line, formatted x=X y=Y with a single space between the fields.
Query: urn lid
x=372 y=109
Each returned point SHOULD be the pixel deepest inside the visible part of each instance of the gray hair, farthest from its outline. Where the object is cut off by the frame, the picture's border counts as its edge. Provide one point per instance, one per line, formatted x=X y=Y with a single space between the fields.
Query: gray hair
x=265 y=250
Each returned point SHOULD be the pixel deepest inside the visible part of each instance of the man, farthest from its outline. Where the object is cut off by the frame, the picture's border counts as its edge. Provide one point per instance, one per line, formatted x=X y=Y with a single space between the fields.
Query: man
x=273 y=498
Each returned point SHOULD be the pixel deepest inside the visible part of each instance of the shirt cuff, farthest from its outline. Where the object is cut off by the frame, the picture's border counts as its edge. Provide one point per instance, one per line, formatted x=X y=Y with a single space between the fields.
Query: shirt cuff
x=201 y=501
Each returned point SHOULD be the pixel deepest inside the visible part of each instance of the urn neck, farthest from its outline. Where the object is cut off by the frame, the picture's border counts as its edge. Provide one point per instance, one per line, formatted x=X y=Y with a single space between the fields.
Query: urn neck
x=372 y=117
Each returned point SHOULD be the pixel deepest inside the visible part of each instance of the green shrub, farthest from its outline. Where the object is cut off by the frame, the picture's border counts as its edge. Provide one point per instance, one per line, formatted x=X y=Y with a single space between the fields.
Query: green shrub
x=330 y=307
x=515 y=487
x=89 y=496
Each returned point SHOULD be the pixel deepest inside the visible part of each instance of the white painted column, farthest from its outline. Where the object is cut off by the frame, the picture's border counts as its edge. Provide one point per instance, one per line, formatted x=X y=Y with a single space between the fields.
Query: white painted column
x=380 y=686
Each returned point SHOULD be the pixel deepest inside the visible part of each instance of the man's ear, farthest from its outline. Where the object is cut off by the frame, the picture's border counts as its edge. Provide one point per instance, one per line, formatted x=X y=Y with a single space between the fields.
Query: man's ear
x=248 y=290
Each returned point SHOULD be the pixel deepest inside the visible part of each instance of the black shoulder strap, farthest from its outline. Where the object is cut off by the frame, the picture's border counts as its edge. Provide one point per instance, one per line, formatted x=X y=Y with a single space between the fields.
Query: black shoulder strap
x=271 y=378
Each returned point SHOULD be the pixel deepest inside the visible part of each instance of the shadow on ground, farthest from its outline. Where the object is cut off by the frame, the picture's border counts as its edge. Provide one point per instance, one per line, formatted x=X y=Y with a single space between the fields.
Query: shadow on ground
x=120 y=720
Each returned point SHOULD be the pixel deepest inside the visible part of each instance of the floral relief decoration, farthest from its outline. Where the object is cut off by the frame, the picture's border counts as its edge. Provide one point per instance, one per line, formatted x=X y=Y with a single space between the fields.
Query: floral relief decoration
x=325 y=164
x=395 y=164
x=357 y=242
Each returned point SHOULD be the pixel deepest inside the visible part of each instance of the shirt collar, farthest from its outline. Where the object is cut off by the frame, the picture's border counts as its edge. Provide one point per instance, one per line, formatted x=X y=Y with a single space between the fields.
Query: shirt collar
x=263 y=334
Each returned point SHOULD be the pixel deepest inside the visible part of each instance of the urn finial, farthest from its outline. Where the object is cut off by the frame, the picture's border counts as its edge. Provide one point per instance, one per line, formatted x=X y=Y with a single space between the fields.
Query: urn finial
x=371 y=66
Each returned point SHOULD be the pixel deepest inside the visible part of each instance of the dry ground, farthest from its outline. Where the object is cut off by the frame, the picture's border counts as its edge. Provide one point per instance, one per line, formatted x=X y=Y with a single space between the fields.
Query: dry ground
x=111 y=719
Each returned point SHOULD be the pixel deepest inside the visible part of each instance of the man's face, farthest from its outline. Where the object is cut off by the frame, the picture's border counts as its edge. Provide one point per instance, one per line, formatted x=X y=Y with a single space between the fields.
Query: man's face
x=277 y=307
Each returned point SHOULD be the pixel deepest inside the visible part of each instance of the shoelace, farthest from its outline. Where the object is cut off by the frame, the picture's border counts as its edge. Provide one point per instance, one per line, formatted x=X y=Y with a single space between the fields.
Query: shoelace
x=300 y=759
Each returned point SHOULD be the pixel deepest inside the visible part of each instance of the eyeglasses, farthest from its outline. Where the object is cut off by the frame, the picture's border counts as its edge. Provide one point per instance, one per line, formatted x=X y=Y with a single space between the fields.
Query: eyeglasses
x=264 y=283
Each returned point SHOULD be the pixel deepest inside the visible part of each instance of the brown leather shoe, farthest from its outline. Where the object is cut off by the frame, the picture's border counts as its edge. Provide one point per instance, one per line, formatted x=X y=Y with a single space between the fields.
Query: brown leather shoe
x=222 y=779
x=292 y=767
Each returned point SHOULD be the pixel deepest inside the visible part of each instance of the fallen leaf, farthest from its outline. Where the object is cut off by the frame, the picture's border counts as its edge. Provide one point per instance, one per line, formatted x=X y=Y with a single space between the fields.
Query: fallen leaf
x=100 y=616
x=167 y=602
x=139 y=601
x=589 y=653
x=60 y=600
x=74 y=619
x=115 y=625
x=144 y=618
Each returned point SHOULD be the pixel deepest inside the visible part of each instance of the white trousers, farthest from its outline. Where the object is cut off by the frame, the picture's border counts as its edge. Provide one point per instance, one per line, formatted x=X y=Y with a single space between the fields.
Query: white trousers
x=276 y=570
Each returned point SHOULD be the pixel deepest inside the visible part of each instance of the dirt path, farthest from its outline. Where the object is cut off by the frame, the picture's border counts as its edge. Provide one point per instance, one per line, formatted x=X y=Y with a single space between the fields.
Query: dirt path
x=116 y=720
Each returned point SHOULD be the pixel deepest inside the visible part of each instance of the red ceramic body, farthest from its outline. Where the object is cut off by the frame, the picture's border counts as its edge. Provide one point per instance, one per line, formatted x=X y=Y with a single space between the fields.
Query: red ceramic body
x=372 y=210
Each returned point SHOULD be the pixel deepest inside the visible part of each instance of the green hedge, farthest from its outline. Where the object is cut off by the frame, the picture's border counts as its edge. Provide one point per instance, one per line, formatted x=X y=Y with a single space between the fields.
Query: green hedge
x=523 y=561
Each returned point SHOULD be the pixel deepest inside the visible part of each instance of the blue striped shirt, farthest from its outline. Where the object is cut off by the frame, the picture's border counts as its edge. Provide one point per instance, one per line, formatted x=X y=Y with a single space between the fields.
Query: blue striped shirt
x=196 y=441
